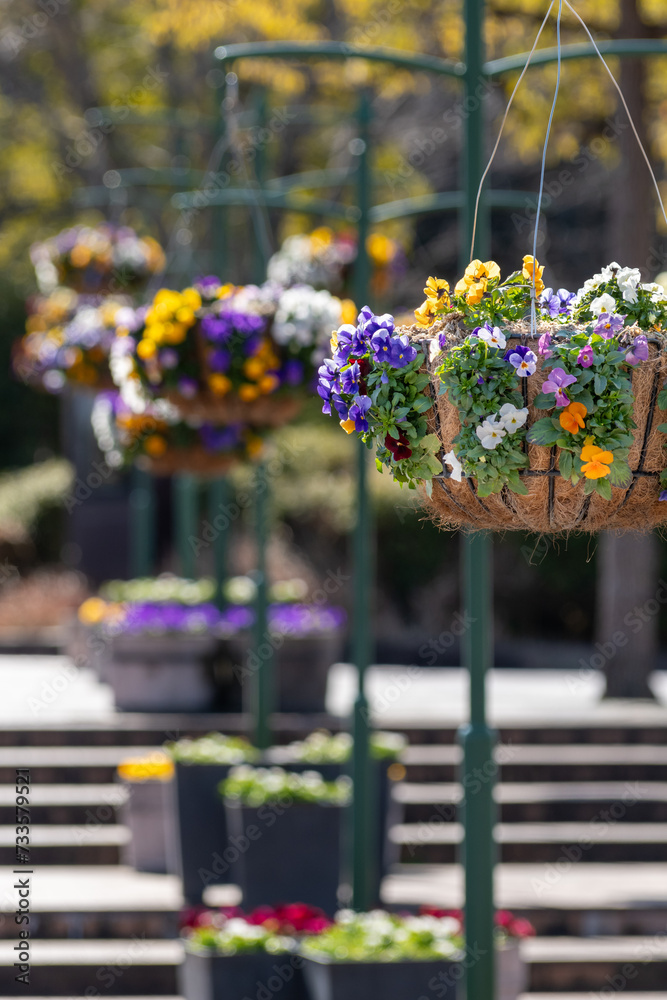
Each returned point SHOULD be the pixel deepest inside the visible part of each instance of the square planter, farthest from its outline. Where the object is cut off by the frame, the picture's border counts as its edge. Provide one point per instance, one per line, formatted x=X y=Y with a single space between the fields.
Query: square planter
x=382 y=980
x=201 y=828
x=161 y=673
x=242 y=977
x=301 y=669
x=511 y=972
x=148 y=815
x=286 y=851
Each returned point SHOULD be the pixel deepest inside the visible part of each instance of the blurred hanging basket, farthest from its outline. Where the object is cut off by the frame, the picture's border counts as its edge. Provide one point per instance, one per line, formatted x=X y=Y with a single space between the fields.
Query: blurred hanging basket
x=188 y=461
x=264 y=411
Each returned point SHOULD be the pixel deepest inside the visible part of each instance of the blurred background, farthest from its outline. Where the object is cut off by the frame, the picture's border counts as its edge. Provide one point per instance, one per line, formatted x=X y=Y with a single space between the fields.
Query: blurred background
x=110 y=110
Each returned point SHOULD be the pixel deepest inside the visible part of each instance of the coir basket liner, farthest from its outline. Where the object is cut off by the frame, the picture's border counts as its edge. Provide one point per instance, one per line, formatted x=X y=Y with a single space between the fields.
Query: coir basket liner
x=553 y=505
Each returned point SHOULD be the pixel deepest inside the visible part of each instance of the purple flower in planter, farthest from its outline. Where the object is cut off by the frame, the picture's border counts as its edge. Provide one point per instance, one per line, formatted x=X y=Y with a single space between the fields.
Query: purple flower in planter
x=187 y=386
x=349 y=379
x=220 y=438
x=168 y=357
x=608 y=326
x=358 y=411
x=639 y=350
x=585 y=356
x=523 y=359
x=370 y=323
x=558 y=380
x=219 y=360
x=663 y=495
x=544 y=345
x=556 y=303
x=442 y=341
x=292 y=373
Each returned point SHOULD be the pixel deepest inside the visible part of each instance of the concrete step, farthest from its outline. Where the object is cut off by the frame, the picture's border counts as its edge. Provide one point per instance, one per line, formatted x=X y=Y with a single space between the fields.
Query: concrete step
x=84 y=805
x=67 y=765
x=555 y=843
x=615 y=964
x=84 y=844
x=543 y=802
x=552 y=762
x=136 y=966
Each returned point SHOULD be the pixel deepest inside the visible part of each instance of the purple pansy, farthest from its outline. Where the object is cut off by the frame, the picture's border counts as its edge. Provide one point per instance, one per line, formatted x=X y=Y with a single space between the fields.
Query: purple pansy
x=639 y=350
x=544 y=345
x=558 y=380
x=349 y=379
x=292 y=373
x=521 y=358
x=220 y=438
x=219 y=360
x=585 y=356
x=187 y=386
x=358 y=411
x=608 y=326
x=556 y=303
x=663 y=495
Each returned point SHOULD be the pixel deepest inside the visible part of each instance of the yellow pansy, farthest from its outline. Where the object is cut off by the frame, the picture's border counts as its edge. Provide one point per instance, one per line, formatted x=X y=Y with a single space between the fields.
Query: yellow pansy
x=156 y=767
x=437 y=291
x=146 y=349
x=254 y=368
x=425 y=315
x=348 y=311
x=596 y=461
x=249 y=393
x=347 y=425
x=93 y=611
x=380 y=249
x=268 y=384
x=533 y=272
x=191 y=297
x=219 y=384
x=155 y=445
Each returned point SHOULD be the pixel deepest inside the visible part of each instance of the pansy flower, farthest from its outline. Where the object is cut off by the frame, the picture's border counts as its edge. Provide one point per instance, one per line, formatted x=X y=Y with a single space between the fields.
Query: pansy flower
x=358 y=411
x=476 y=279
x=399 y=447
x=557 y=382
x=455 y=466
x=585 y=356
x=523 y=359
x=490 y=433
x=512 y=418
x=596 y=461
x=556 y=303
x=544 y=345
x=426 y=313
x=639 y=350
x=532 y=272
x=494 y=336
x=609 y=325
x=437 y=291
x=572 y=418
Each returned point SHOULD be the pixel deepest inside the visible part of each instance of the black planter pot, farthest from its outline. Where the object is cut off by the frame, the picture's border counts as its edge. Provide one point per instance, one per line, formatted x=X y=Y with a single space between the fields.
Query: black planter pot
x=242 y=977
x=286 y=851
x=383 y=980
x=203 y=851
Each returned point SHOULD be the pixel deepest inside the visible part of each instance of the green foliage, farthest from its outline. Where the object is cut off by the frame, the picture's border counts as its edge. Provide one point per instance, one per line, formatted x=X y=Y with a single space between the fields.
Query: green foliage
x=25 y=495
x=255 y=786
x=385 y=937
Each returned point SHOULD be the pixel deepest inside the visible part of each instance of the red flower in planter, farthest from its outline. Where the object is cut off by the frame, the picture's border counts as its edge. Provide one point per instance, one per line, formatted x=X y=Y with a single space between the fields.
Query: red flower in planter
x=521 y=928
x=201 y=916
x=290 y=918
x=399 y=448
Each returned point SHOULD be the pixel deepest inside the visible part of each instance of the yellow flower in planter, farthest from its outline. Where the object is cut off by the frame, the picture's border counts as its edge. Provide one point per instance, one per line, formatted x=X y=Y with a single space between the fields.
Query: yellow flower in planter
x=155 y=445
x=249 y=393
x=572 y=417
x=92 y=611
x=380 y=249
x=347 y=425
x=426 y=315
x=254 y=368
x=146 y=349
x=532 y=267
x=156 y=767
x=219 y=384
x=475 y=280
x=254 y=446
x=348 y=313
x=269 y=384
x=437 y=291
x=597 y=461
x=191 y=298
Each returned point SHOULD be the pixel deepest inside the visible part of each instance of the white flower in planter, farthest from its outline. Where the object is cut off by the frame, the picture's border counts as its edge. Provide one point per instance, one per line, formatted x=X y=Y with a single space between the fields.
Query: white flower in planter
x=511 y=418
x=605 y=303
x=452 y=461
x=494 y=338
x=490 y=433
x=628 y=279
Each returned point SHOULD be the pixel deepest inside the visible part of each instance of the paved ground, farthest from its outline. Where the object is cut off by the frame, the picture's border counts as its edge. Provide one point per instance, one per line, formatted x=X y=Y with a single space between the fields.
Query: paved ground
x=49 y=689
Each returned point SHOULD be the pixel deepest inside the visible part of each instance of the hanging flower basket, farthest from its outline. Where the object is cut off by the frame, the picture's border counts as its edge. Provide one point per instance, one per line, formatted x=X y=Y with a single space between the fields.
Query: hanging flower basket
x=161 y=442
x=227 y=355
x=96 y=260
x=551 y=425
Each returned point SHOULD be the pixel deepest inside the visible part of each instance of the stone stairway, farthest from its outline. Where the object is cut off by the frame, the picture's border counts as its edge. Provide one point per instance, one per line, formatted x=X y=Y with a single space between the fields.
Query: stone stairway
x=595 y=887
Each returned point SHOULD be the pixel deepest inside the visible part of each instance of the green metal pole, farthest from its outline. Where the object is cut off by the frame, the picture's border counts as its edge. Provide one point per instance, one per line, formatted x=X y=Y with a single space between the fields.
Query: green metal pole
x=218 y=498
x=142 y=523
x=363 y=858
x=262 y=674
x=185 y=495
x=476 y=738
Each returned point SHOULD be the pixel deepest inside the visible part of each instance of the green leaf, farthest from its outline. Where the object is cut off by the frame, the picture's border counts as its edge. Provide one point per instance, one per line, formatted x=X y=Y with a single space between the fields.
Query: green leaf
x=565 y=460
x=422 y=403
x=603 y=487
x=585 y=376
x=586 y=398
x=620 y=474
x=662 y=428
x=600 y=384
x=431 y=442
x=433 y=464
x=662 y=398
x=543 y=432
x=515 y=485
x=589 y=487
x=543 y=401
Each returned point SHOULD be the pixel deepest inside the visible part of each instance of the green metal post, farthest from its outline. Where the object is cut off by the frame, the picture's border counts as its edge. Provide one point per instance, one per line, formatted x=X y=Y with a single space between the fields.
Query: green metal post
x=476 y=738
x=142 y=523
x=262 y=670
x=218 y=498
x=363 y=859
x=186 y=522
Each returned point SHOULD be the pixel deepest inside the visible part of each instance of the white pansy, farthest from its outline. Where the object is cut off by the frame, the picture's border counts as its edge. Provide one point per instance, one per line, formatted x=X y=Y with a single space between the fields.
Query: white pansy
x=511 y=418
x=494 y=338
x=490 y=433
x=609 y=271
x=656 y=291
x=628 y=279
x=604 y=303
x=452 y=461
x=305 y=317
x=434 y=348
